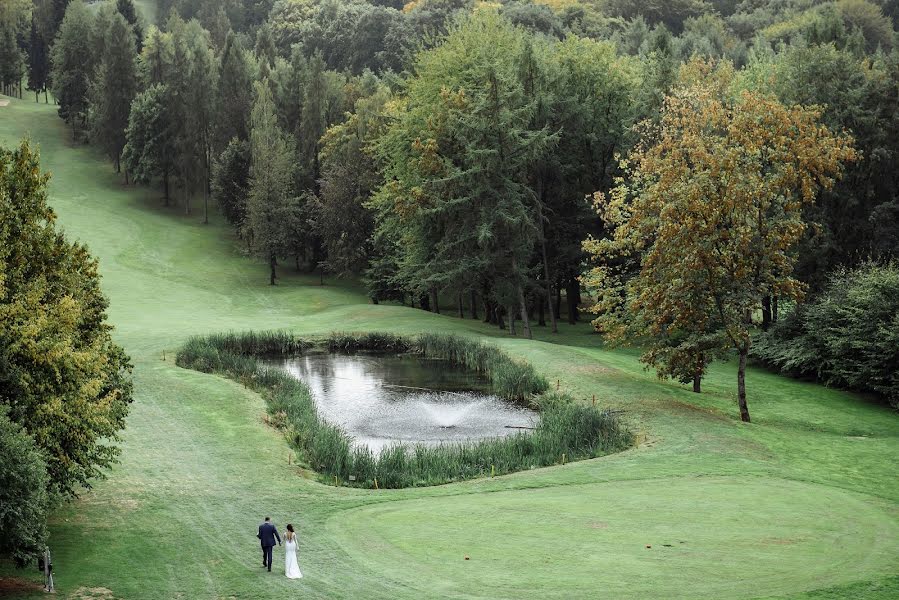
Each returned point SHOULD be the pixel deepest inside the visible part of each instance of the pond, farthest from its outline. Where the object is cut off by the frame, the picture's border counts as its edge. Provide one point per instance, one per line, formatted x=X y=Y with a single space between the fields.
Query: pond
x=382 y=399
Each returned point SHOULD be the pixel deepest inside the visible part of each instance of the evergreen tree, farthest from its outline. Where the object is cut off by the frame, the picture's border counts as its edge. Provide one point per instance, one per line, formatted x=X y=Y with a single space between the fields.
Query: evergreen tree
x=127 y=10
x=456 y=160
x=150 y=149
x=38 y=63
x=271 y=179
x=12 y=62
x=230 y=182
x=72 y=62
x=312 y=123
x=235 y=93
x=114 y=89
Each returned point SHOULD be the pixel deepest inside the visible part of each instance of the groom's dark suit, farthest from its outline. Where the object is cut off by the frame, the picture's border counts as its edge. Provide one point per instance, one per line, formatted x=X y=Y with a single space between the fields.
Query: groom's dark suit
x=267 y=535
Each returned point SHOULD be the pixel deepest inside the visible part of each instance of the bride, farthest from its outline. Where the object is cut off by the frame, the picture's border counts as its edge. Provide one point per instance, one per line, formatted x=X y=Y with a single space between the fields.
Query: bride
x=291 y=568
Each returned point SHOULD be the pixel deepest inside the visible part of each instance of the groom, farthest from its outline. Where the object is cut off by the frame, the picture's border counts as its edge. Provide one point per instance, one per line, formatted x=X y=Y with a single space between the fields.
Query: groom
x=267 y=536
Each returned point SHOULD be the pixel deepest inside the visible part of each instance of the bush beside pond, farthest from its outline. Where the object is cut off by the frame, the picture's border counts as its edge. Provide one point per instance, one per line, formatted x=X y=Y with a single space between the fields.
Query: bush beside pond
x=566 y=428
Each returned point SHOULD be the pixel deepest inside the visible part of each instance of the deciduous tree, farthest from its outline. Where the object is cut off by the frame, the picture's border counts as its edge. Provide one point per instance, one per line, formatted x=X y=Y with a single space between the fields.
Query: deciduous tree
x=711 y=207
x=61 y=376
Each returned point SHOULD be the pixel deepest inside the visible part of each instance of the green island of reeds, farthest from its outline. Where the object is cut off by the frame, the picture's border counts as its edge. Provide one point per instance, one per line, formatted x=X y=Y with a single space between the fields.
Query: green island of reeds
x=566 y=431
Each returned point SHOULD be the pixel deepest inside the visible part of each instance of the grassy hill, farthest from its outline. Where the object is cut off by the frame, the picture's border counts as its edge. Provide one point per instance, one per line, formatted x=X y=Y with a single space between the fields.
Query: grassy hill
x=803 y=503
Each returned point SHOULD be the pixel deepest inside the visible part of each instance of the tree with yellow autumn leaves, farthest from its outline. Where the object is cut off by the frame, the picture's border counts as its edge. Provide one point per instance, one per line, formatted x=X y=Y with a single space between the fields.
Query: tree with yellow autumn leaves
x=704 y=220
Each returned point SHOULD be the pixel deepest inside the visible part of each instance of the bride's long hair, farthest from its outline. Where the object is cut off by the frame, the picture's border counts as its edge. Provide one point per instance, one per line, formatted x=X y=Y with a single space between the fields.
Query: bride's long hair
x=290 y=535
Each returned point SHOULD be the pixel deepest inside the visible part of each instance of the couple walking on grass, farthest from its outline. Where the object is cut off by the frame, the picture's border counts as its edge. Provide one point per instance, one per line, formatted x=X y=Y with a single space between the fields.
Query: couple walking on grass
x=267 y=535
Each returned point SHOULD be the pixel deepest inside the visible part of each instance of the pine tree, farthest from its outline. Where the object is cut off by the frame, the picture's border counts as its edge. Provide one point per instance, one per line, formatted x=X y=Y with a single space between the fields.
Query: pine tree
x=230 y=182
x=312 y=123
x=127 y=10
x=72 y=62
x=38 y=62
x=271 y=179
x=150 y=149
x=12 y=63
x=235 y=93
x=114 y=89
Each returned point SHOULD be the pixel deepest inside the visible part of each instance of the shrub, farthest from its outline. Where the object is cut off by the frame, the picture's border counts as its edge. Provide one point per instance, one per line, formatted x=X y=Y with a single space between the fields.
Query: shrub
x=566 y=428
x=848 y=336
x=23 y=494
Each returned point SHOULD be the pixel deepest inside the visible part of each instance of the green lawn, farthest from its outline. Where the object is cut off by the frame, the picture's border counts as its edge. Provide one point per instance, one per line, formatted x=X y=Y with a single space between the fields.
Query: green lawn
x=802 y=503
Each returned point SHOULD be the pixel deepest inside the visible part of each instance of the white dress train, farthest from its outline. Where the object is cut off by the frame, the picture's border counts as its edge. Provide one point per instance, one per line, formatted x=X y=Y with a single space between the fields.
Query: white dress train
x=291 y=568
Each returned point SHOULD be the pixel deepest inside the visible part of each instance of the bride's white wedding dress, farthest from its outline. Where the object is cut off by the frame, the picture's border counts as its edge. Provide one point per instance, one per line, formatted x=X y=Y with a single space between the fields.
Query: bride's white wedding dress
x=291 y=568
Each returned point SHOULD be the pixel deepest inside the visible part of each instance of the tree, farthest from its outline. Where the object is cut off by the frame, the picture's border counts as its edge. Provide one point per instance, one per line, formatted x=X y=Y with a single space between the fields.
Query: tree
x=230 y=182
x=127 y=10
x=61 y=376
x=12 y=63
x=312 y=122
x=24 y=501
x=845 y=225
x=349 y=175
x=711 y=209
x=271 y=179
x=670 y=12
x=14 y=18
x=150 y=149
x=456 y=197
x=72 y=65
x=235 y=93
x=38 y=63
x=114 y=89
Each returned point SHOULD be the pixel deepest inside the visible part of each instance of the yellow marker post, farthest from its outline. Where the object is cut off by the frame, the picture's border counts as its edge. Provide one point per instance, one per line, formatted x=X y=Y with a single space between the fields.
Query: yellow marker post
x=563 y=459
x=376 y=484
x=492 y=470
x=335 y=481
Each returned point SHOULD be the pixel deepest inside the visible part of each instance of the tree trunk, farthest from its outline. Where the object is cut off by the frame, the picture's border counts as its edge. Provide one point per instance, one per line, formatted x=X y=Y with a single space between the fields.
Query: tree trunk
x=525 y=323
x=205 y=202
x=425 y=302
x=558 y=301
x=459 y=305
x=766 y=313
x=541 y=310
x=272 y=263
x=165 y=183
x=774 y=309
x=547 y=281
x=436 y=301
x=498 y=310
x=46 y=99
x=741 y=383
x=37 y=96
x=572 y=295
x=118 y=165
x=474 y=305
x=511 y=312
x=697 y=383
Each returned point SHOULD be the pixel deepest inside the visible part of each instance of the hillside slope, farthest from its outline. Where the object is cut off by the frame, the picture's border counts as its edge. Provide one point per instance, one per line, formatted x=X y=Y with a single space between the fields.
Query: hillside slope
x=802 y=503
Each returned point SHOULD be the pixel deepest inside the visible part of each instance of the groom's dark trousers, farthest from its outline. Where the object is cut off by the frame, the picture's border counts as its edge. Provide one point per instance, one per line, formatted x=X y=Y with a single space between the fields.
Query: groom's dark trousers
x=267 y=535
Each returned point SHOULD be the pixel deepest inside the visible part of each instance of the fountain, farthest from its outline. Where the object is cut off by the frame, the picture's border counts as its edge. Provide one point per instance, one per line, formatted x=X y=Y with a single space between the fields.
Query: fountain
x=447 y=415
x=385 y=399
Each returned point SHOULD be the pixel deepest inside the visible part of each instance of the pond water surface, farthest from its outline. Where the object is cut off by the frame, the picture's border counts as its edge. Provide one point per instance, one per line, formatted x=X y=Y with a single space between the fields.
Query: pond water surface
x=384 y=399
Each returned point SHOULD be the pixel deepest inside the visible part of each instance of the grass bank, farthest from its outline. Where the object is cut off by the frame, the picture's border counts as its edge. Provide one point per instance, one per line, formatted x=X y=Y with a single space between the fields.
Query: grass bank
x=567 y=431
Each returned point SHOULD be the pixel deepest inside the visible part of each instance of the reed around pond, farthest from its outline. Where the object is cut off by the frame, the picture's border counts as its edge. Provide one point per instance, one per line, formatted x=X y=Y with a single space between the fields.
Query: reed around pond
x=567 y=430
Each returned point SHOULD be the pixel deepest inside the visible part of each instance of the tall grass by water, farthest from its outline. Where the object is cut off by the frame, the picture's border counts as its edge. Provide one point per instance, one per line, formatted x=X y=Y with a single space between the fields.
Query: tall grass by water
x=566 y=431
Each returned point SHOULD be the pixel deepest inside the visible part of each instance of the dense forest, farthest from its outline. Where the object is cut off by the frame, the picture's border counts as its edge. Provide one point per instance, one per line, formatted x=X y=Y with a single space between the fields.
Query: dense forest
x=489 y=156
